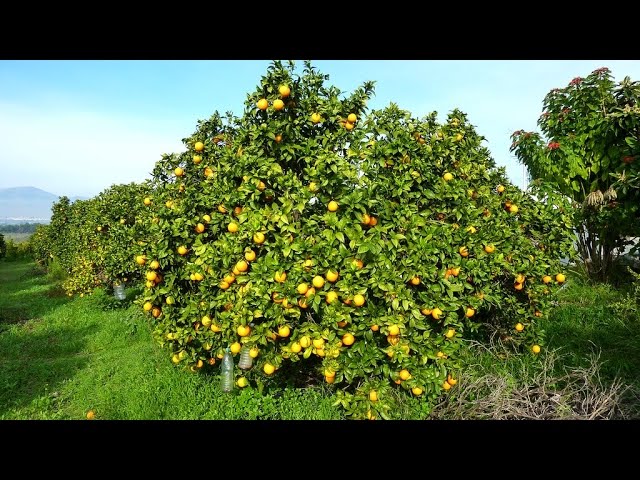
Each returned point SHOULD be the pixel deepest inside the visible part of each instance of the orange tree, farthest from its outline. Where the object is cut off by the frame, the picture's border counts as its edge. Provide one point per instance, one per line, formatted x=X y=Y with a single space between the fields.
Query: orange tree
x=71 y=240
x=591 y=135
x=362 y=250
x=118 y=231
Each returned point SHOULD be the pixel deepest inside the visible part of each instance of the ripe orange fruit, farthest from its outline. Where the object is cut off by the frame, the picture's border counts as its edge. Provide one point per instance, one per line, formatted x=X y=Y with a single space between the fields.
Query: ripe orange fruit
x=349 y=126
x=519 y=327
x=243 y=330
x=199 y=228
x=450 y=333
x=436 y=313
x=258 y=238
x=348 y=339
x=373 y=222
x=538 y=313
x=262 y=104
x=470 y=312
x=261 y=186
x=536 y=349
x=404 y=374
x=415 y=281
x=518 y=286
x=489 y=248
x=278 y=104
x=330 y=379
x=91 y=415
x=513 y=209
x=447 y=177
x=333 y=206
x=393 y=339
x=198 y=147
x=182 y=250
x=147 y=201
x=254 y=352
x=268 y=368
x=235 y=347
x=316 y=118
x=546 y=279
x=560 y=278
x=284 y=331
x=451 y=381
x=351 y=118
x=284 y=91
x=278 y=138
x=302 y=288
x=179 y=172
x=224 y=285
x=375 y=328
x=332 y=276
x=295 y=347
x=464 y=252
x=318 y=281
x=317 y=343
x=156 y=312
x=280 y=277
x=147 y=306
x=197 y=159
x=242 y=266
x=446 y=385
x=307 y=264
x=311 y=292
x=358 y=263
x=416 y=391
x=358 y=300
x=520 y=278
x=232 y=227
x=250 y=255
x=394 y=330
x=366 y=219
x=331 y=297
x=426 y=311
x=305 y=342
x=141 y=260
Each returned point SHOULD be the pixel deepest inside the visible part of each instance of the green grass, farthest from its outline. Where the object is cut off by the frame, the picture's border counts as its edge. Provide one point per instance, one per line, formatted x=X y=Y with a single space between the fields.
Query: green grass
x=591 y=319
x=60 y=357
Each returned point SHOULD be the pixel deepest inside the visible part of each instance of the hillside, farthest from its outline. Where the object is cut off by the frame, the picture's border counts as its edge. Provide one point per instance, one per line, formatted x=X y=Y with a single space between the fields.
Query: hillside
x=26 y=204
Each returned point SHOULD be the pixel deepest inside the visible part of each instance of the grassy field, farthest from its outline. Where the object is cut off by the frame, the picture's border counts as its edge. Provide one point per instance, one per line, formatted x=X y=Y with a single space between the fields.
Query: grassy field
x=61 y=357
x=17 y=237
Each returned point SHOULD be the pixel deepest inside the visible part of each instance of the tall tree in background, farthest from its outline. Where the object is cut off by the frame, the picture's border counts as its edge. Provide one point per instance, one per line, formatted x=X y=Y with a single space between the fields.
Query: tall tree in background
x=588 y=151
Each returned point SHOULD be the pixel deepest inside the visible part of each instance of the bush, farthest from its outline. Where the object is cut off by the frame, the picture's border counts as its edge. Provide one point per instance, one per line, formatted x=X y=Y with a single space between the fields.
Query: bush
x=359 y=249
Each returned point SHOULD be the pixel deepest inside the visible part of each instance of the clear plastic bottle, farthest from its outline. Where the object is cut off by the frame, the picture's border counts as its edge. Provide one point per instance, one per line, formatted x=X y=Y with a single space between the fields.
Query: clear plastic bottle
x=245 y=359
x=226 y=369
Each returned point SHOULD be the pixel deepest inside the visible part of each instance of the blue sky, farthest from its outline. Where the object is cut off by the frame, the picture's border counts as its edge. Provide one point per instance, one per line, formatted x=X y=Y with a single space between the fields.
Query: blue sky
x=78 y=127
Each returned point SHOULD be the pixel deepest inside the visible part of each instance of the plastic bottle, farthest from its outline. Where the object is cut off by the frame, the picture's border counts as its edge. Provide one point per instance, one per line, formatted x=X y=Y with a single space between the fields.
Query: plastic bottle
x=245 y=359
x=226 y=369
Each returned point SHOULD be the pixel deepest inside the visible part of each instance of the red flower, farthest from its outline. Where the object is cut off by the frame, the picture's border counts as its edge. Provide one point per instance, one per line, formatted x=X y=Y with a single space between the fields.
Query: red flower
x=576 y=81
x=601 y=71
x=517 y=132
x=554 y=145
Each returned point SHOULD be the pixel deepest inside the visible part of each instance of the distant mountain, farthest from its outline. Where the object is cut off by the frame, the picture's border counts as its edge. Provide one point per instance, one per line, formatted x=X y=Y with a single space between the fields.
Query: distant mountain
x=27 y=204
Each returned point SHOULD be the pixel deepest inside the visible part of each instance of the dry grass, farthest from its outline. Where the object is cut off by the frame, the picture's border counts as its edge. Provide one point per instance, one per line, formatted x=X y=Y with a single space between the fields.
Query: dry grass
x=534 y=390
